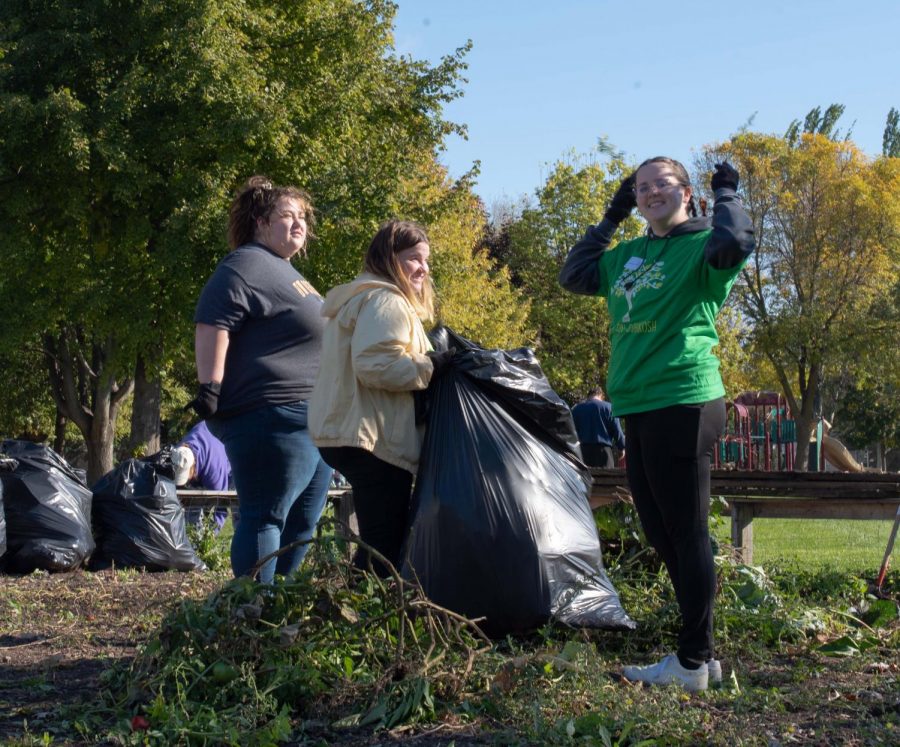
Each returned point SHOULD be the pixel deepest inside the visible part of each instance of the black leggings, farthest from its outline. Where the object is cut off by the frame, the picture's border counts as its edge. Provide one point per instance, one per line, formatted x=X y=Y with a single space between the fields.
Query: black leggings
x=381 y=499
x=668 y=455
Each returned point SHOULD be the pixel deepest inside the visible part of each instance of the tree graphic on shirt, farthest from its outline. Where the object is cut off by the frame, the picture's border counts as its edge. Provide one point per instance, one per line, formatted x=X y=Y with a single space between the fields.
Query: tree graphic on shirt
x=630 y=283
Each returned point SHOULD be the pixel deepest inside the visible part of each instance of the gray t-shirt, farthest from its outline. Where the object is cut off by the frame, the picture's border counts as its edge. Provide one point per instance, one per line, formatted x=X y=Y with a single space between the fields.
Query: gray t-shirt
x=273 y=316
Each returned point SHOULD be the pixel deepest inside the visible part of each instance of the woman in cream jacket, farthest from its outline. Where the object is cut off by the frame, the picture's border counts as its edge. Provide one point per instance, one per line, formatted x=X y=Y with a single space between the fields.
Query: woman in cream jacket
x=375 y=354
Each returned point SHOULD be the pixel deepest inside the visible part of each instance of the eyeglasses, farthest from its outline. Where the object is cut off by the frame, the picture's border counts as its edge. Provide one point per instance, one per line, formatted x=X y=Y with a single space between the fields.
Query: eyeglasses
x=644 y=188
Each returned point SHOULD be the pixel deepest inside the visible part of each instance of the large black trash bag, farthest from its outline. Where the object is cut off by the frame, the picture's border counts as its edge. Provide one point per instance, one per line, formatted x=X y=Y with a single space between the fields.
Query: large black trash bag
x=139 y=520
x=47 y=508
x=502 y=528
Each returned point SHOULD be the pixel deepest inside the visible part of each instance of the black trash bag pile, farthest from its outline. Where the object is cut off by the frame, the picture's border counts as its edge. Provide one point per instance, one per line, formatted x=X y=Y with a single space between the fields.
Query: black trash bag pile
x=502 y=528
x=47 y=508
x=139 y=520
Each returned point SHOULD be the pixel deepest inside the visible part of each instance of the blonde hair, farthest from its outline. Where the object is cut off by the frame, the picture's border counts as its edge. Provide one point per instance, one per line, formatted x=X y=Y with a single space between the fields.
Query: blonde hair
x=381 y=259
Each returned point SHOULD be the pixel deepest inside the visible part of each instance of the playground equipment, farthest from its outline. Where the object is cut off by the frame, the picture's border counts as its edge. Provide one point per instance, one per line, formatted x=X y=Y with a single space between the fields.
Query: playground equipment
x=836 y=454
x=759 y=434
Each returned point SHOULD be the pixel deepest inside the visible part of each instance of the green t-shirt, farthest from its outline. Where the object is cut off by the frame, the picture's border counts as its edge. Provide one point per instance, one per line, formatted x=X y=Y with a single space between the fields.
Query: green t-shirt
x=663 y=298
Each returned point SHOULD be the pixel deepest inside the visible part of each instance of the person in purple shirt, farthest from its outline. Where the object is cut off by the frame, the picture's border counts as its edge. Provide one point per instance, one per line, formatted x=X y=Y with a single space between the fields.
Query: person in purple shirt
x=200 y=461
x=598 y=431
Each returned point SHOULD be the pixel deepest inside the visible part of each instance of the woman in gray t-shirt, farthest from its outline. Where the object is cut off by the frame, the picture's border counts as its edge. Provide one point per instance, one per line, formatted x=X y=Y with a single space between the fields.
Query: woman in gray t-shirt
x=258 y=337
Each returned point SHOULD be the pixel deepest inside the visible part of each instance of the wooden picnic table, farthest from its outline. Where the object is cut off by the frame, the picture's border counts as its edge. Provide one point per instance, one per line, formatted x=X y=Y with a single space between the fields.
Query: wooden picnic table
x=754 y=494
x=749 y=494
x=194 y=498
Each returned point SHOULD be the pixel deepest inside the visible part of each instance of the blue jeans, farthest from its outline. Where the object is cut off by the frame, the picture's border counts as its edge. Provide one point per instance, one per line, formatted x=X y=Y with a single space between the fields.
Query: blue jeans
x=281 y=482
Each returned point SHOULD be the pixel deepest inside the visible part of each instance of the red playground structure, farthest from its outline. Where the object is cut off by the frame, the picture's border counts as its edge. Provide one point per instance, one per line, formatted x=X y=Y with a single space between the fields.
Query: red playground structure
x=759 y=434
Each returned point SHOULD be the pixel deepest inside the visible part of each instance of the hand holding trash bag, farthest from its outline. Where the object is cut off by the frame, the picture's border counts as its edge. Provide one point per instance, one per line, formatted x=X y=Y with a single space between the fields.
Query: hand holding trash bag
x=440 y=359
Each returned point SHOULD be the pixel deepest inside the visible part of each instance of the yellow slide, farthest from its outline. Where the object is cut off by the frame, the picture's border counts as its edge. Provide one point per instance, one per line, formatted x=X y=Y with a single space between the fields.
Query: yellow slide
x=836 y=453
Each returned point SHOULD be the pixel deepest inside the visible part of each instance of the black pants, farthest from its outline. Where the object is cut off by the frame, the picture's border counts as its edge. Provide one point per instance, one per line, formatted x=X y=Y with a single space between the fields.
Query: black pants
x=668 y=455
x=381 y=494
x=598 y=455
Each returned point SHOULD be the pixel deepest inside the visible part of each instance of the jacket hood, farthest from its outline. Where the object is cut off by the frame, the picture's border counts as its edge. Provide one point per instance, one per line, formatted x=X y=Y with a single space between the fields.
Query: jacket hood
x=344 y=301
x=691 y=225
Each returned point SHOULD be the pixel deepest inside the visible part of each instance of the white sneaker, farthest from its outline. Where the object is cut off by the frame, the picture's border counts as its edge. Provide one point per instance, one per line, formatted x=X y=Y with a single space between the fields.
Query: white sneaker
x=714 y=668
x=669 y=671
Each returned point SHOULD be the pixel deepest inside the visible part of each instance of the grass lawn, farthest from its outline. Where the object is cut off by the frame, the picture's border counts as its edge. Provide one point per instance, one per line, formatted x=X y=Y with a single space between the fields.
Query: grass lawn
x=847 y=545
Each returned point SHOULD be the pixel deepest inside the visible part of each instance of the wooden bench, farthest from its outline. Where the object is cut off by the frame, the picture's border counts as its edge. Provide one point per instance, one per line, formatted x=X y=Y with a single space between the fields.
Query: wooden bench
x=749 y=494
x=342 y=499
x=779 y=495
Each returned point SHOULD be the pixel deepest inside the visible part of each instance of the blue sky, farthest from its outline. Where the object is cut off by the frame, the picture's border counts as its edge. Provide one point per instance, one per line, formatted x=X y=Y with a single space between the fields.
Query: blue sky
x=655 y=78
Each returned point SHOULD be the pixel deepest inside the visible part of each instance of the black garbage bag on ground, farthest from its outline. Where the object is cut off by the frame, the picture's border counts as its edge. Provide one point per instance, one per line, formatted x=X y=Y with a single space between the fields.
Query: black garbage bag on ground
x=47 y=508
x=139 y=521
x=501 y=527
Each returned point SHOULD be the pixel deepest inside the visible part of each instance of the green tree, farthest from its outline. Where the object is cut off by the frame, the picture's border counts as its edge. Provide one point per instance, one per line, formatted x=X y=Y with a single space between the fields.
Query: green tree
x=818 y=123
x=890 y=142
x=126 y=126
x=463 y=271
x=570 y=332
x=817 y=292
x=26 y=408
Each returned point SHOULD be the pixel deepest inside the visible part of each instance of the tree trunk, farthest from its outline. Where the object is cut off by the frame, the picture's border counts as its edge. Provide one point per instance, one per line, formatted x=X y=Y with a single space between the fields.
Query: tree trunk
x=803 y=407
x=145 y=419
x=59 y=432
x=87 y=393
x=102 y=441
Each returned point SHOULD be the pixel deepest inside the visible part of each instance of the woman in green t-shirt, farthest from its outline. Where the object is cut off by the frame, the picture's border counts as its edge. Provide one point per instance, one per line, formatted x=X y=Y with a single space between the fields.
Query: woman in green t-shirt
x=663 y=291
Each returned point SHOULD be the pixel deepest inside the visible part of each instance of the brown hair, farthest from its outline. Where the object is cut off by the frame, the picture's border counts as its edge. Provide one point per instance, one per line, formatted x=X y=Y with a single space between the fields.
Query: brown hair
x=381 y=259
x=257 y=199
x=680 y=173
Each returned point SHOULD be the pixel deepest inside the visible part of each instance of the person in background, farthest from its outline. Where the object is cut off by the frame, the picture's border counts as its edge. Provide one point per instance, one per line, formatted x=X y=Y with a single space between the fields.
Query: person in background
x=258 y=339
x=598 y=431
x=663 y=293
x=200 y=461
x=375 y=354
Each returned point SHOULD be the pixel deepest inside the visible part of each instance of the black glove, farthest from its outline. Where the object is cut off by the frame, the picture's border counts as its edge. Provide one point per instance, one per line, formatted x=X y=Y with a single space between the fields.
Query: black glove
x=623 y=201
x=440 y=359
x=206 y=402
x=725 y=175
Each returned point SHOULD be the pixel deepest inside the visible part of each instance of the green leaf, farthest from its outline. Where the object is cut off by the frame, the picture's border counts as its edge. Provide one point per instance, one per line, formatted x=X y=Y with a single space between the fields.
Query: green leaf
x=880 y=613
x=843 y=646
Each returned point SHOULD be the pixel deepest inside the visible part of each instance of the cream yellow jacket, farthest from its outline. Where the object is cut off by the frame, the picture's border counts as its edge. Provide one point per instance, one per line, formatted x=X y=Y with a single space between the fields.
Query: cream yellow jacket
x=373 y=357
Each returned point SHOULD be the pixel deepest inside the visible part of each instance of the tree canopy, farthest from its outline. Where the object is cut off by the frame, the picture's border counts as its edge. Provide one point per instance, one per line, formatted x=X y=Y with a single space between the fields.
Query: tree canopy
x=126 y=126
x=568 y=332
x=817 y=292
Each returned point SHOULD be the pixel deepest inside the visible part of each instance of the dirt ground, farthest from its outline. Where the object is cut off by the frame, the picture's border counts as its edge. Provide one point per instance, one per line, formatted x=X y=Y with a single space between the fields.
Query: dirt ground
x=55 y=647
x=59 y=633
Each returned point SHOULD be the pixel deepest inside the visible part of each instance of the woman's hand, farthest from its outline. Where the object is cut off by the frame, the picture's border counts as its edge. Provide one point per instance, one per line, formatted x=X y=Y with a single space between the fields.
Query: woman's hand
x=725 y=175
x=206 y=402
x=623 y=201
x=440 y=359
